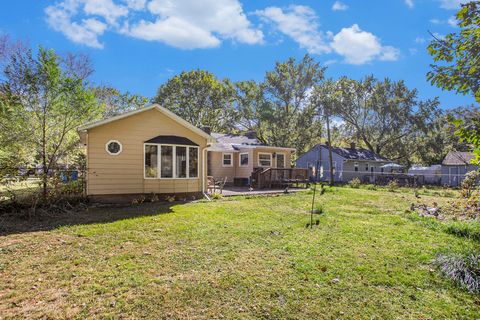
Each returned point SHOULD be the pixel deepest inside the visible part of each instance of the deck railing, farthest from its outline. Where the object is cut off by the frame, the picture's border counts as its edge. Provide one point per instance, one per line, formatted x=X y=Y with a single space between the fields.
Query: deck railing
x=278 y=177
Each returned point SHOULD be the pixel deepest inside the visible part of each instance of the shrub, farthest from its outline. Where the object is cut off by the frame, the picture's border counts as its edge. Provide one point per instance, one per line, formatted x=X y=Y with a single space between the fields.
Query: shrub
x=371 y=187
x=470 y=183
x=354 y=183
x=463 y=269
x=217 y=196
x=392 y=185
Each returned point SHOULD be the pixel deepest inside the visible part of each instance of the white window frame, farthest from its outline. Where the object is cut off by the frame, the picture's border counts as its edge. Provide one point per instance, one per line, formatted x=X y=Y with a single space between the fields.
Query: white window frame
x=367 y=167
x=258 y=159
x=119 y=143
x=355 y=166
x=223 y=159
x=240 y=159
x=284 y=159
x=174 y=164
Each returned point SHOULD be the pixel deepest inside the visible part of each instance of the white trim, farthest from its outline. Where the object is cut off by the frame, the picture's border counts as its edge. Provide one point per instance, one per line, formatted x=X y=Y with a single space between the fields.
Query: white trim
x=258 y=159
x=223 y=159
x=108 y=151
x=284 y=159
x=240 y=159
x=174 y=164
x=163 y=110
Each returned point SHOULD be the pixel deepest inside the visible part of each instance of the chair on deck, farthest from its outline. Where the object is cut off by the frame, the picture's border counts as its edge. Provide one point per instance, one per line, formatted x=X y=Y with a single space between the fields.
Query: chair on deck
x=214 y=184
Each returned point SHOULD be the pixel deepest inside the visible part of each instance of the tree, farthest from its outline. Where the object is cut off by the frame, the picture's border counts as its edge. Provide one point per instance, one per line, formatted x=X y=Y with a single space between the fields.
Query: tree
x=292 y=120
x=324 y=98
x=457 y=67
x=200 y=98
x=113 y=102
x=385 y=116
x=45 y=101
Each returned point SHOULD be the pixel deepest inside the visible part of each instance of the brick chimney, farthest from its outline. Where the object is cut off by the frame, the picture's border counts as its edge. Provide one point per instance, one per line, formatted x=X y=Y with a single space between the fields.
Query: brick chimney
x=251 y=134
x=352 y=145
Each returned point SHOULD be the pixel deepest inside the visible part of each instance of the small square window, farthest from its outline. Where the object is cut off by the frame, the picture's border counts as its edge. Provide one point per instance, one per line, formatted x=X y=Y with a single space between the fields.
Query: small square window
x=265 y=159
x=227 y=159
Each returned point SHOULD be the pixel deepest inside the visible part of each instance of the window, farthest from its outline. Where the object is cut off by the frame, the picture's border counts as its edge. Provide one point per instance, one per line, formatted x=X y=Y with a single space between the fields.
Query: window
x=227 y=159
x=169 y=161
x=265 y=159
x=113 y=147
x=243 y=159
x=280 y=160
x=356 y=166
x=151 y=161
x=366 y=166
x=372 y=169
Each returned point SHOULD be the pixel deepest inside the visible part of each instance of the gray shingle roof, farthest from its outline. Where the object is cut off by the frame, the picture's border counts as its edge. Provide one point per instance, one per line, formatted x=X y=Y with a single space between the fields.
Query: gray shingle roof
x=224 y=138
x=457 y=158
x=357 y=154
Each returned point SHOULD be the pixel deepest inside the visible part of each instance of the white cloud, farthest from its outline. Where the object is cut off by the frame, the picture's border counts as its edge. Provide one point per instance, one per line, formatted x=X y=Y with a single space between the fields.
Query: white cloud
x=452 y=4
x=436 y=21
x=339 y=6
x=360 y=47
x=452 y=21
x=299 y=23
x=86 y=32
x=409 y=3
x=420 y=40
x=182 y=23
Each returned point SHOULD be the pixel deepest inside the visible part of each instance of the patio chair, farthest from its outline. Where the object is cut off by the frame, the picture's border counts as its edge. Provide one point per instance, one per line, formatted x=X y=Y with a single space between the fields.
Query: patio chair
x=221 y=184
x=211 y=184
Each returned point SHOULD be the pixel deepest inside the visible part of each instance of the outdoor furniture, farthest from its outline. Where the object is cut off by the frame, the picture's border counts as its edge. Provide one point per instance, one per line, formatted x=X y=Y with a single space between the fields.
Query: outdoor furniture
x=215 y=184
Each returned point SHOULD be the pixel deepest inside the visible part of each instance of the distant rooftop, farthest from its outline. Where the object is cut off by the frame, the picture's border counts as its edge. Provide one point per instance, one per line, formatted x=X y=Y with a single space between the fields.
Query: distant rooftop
x=357 y=154
x=457 y=158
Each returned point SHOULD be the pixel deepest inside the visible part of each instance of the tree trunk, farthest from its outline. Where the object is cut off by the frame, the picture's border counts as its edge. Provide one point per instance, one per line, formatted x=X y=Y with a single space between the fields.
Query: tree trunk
x=330 y=157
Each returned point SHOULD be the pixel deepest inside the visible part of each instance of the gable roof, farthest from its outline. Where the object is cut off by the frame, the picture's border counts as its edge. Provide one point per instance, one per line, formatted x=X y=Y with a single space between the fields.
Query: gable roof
x=163 y=110
x=457 y=158
x=357 y=154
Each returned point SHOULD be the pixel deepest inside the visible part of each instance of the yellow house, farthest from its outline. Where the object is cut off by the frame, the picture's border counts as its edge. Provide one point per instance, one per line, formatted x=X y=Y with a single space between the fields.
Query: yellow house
x=150 y=150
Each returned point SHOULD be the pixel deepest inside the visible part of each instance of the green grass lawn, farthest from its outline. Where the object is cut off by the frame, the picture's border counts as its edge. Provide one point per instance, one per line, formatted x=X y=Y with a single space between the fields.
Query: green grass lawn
x=237 y=258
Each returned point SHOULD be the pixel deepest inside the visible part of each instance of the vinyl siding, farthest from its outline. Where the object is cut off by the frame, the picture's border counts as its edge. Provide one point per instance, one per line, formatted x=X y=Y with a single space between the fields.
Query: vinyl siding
x=124 y=173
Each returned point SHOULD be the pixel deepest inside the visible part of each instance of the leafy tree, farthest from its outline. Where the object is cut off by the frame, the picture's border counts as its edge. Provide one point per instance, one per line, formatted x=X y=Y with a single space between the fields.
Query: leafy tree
x=200 y=98
x=457 y=67
x=113 y=102
x=289 y=119
x=44 y=102
x=385 y=116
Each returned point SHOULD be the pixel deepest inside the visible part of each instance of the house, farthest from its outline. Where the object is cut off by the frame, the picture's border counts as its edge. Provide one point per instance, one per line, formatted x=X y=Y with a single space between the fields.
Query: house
x=429 y=175
x=150 y=150
x=238 y=157
x=348 y=163
x=454 y=167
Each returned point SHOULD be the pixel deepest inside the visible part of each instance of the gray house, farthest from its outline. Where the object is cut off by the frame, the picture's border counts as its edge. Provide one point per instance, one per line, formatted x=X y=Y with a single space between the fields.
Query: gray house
x=454 y=167
x=348 y=163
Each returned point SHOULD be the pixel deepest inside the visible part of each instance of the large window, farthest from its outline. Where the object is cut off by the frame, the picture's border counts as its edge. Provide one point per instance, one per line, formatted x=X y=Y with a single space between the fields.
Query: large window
x=243 y=159
x=265 y=159
x=169 y=161
x=151 y=161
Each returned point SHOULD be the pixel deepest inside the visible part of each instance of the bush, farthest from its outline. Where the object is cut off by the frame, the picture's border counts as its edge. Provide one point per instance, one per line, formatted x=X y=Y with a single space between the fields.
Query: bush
x=354 y=183
x=470 y=183
x=217 y=196
x=371 y=187
x=463 y=269
x=392 y=185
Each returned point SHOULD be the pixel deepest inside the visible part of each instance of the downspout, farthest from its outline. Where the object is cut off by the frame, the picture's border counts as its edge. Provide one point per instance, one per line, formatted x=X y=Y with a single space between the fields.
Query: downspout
x=204 y=171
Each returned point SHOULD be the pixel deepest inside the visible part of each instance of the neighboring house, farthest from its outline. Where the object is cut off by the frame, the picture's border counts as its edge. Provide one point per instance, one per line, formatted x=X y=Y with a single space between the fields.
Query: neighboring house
x=430 y=175
x=150 y=150
x=454 y=167
x=348 y=163
x=235 y=157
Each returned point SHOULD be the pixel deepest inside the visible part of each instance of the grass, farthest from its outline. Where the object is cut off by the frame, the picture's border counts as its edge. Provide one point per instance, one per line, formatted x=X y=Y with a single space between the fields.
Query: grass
x=246 y=258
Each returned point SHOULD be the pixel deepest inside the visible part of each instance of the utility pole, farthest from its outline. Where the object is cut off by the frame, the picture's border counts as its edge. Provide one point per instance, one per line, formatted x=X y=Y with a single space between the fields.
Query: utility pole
x=332 y=180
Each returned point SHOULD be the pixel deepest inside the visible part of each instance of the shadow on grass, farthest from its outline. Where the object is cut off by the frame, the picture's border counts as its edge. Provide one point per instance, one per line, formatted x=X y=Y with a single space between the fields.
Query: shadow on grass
x=12 y=224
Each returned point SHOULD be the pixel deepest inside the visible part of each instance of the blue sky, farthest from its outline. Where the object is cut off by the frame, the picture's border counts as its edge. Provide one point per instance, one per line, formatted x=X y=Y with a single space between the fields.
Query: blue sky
x=136 y=45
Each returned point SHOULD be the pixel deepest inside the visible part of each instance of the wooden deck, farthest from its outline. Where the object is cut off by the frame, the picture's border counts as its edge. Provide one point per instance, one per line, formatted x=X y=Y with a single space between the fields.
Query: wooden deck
x=271 y=178
x=245 y=191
